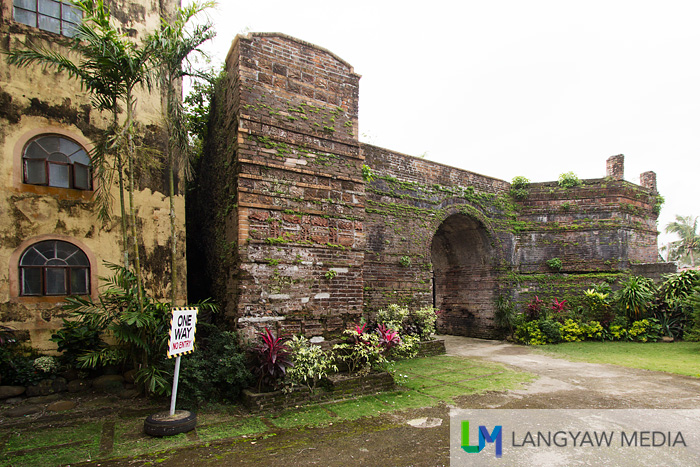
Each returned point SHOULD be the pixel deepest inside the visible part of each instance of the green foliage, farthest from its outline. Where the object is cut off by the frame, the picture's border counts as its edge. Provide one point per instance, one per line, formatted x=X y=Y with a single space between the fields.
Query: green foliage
x=137 y=332
x=571 y=331
x=519 y=182
x=518 y=187
x=677 y=287
x=552 y=330
x=393 y=316
x=217 y=370
x=644 y=330
x=17 y=366
x=330 y=274
x=409 y=347
x=506 y=316
x=635 y=296
x=423 y=322
x=658 y=204
x=405 y=261
x=367 y=173
x=46 y=365
x=593 y=330
x=693 y=327
x=569 y=180
x=687 y=247
x=420 y=322
x=617 y=332
x=529 y=333
x=555 y=264
x=360 y=352
x=311 y=363
x=76 y=338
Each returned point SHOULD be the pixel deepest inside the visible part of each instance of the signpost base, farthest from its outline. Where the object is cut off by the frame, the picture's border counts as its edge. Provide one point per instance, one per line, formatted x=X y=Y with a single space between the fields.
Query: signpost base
x=165 y=424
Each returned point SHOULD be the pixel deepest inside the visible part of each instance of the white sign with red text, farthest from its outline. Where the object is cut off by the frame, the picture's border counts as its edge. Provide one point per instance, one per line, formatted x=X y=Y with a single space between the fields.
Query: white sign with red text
x=182 y=329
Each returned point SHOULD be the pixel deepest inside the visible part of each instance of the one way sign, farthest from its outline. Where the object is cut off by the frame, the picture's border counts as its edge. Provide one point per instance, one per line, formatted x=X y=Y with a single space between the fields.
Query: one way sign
x=182 y=329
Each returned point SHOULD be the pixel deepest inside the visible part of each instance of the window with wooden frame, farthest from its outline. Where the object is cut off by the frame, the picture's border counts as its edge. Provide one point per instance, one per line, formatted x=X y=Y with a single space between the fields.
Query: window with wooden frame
x=54 y=160
x=57 y=16
x=54 y=267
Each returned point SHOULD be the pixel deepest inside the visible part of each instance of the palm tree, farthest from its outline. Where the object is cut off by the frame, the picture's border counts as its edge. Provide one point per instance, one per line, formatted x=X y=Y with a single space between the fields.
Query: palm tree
x=110 y=67
x=172 y=45
x=689 y=243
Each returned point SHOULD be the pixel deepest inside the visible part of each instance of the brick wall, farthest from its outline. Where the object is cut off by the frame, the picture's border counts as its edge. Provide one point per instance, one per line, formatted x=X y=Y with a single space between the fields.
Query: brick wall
x=298 y=205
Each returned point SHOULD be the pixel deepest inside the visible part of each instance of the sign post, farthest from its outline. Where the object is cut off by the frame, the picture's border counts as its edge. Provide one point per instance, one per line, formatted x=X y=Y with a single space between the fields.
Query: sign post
x=181 y=341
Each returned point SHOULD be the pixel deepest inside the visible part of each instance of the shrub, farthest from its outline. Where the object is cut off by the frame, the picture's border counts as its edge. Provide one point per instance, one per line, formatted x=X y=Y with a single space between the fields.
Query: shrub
x=677 y=287
x=139 y=332
x=405 y=261
x=388 y=338
x=569 y=180
x=518 y=187
x=506 y=318
x=76 y=338
x=271 y=359
x=635 y=296
x=534 y=309
x=393 y=316
x=552 y=330
x=423 y=321
x=46 y=364
x=529 y=333
x=555 y=264
x=217 y=370
x=311 y=363
x=644 y=330
x=407 y=349
x=361 y=351
x=617 y=332
x=593 y=330
x=571 y=331
x=519 y=182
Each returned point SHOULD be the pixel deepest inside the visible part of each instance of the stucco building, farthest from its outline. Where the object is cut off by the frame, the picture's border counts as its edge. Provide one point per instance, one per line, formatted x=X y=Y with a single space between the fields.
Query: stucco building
x=52 y=243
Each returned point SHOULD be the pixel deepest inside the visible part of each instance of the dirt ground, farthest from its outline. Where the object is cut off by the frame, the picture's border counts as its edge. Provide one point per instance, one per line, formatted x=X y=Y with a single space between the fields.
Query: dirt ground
x=421 y=437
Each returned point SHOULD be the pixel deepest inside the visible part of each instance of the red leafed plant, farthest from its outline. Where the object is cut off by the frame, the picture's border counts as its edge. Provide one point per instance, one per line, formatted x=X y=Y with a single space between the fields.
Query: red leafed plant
x=272 y=358
x=388 y=338
x=559 y=307
x=534 y=308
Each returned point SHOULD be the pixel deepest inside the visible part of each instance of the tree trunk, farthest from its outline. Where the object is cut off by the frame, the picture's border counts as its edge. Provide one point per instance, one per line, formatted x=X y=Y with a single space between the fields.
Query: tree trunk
x=132 y=208
x=171 y=194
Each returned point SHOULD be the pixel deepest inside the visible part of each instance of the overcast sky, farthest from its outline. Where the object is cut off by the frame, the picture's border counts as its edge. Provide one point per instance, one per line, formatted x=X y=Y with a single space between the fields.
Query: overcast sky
x=505 y=88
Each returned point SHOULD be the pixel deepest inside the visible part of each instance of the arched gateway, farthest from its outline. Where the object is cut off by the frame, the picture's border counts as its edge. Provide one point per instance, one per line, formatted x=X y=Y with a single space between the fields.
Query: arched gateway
x=464 y=279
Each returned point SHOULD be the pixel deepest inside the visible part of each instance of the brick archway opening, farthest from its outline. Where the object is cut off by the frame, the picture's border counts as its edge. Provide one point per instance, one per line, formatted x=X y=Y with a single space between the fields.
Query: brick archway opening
x=464 y=279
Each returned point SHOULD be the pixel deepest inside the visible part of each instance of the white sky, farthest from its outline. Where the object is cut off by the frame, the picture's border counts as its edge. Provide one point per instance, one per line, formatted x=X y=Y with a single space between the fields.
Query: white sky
x=513 y=87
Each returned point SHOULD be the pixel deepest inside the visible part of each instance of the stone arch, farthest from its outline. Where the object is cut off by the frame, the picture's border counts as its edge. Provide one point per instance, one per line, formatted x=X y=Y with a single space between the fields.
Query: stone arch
x=464 y=276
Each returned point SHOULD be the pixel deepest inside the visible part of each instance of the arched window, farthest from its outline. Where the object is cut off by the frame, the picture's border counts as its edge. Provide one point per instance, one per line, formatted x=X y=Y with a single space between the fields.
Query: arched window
x=55 y=160
x=54 y=267
x=57 y=16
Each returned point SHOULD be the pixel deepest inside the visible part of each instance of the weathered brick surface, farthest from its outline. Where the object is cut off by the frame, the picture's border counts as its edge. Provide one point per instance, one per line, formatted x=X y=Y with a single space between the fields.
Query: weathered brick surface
x=339 y=387
x=295 y=218
x=431 y=348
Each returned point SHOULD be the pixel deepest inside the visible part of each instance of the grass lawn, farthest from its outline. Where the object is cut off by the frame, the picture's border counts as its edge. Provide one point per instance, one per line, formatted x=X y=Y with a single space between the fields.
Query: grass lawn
x=421 y=382
x=682 y=358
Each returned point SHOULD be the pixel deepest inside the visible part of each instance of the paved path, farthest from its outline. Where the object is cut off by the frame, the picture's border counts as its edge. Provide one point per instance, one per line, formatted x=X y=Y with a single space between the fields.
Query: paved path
x=389 y=440
x=565 y=384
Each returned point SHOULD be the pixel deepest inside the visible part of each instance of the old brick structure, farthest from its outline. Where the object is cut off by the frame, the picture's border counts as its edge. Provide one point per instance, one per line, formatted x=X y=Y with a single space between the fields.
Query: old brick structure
x=304 y=228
